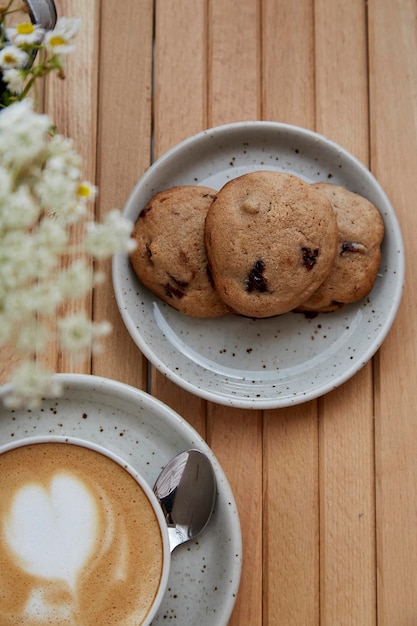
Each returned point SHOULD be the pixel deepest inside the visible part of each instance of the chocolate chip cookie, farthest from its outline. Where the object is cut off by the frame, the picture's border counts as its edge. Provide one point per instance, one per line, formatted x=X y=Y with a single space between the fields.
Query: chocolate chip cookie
x=360 y=233
x=271 y=240
x=170 y=256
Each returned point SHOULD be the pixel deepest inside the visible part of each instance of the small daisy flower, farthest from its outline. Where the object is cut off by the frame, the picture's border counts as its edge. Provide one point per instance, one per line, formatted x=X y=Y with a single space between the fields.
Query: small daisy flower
x=58 y=41
x=77 y=333
x=52 y=235
x=23 y=134
x=100 y=329
x=29 y=384
x=6 y=185
x=19 y=209
x=109 y=237
x=75 y=281
x=86 y=190
x=25 y=33
x=12 y=57
x=14 y=80
x=42 y=298
x=32 y=338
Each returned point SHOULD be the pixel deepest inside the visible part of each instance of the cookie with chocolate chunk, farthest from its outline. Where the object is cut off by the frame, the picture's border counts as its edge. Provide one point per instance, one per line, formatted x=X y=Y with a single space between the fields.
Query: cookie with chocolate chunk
x=170 y=256
x=360 y=233
x=271 y=241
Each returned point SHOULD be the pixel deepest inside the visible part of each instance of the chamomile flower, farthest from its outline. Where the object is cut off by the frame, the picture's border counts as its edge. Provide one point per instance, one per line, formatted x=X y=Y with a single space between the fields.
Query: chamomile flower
x=23 y=134
x=25 y=33
x=86 y=191
x=12 y=57
x=14 y=79
x=75 y=281
x=58 y=194
x=78 y=333
x=6 y=187
x=32 y=338
x=19 y=210
x=59 y=40
x=30 y=383
x=110 y=236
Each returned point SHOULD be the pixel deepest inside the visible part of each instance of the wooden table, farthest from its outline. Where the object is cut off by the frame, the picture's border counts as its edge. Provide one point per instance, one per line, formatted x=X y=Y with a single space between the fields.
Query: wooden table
x=326 y=490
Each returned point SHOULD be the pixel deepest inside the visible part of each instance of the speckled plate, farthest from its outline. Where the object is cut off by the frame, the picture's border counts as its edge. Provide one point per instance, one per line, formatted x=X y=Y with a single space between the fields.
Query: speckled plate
x=205 y=573
x=262 y=363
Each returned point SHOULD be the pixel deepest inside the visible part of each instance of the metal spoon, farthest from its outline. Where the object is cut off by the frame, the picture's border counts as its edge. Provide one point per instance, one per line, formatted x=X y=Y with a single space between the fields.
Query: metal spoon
x=186 y=490
x=42 y=12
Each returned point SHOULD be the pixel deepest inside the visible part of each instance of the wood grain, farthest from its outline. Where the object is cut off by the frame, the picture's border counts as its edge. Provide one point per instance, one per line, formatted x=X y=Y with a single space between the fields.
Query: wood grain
x=234 y=93
x=180 y=111
x=124 y=153
x=393 y=73
x=79 y=123
x=288 y=62
x=327 y=490
x=290 y=460
x=347 y=503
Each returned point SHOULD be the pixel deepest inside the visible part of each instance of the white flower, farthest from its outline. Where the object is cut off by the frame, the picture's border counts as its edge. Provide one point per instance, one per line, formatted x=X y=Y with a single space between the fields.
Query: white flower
x=12 y=57
x=32 y=338
x=58 y=194
x=52 y=236
x=75 y=281
x=25 y=33
x=23 y=134
x=100 y=329
x=78 y=333
x=59 y=187
x=63 y=157
x=16 y=259
x=86 y=190
x=109 y=237
x=42 y=298
x=14 y=80
x=29 y=384
x=58 y=41
x=19 y=209
x=6 y=184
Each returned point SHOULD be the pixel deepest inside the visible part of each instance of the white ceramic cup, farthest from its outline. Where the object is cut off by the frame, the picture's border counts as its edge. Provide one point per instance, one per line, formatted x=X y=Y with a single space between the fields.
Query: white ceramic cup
x=78 y=536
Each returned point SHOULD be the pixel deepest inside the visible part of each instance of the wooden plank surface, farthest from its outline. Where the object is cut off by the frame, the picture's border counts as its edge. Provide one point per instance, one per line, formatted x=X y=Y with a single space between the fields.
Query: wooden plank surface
x=80 y=124
x=393 y=115
x=346 y=443
x=327 y=490
x=123 y=154
x=290 y=459
x=180 y=110
x=236 y=435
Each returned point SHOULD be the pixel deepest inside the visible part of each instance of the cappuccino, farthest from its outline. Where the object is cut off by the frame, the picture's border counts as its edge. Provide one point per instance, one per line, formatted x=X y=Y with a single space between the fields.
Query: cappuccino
x=80 y=542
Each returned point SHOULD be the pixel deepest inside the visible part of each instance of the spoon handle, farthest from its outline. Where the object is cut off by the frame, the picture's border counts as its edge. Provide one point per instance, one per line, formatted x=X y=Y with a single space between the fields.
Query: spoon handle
x=176 y=537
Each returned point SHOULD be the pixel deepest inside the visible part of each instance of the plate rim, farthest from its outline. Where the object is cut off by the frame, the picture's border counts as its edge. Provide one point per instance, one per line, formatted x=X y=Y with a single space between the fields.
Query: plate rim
x=301 y=396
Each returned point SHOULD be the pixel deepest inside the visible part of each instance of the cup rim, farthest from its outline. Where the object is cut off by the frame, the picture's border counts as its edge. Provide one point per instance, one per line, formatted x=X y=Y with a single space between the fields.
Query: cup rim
x=117 y=458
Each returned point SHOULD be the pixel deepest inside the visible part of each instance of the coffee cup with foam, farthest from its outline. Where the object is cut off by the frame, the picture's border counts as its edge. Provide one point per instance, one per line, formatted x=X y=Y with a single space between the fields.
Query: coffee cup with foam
x=83 y=540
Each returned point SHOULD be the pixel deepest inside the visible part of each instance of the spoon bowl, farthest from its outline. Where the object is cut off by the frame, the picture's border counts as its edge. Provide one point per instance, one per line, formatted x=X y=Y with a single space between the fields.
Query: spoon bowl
x=186 y=490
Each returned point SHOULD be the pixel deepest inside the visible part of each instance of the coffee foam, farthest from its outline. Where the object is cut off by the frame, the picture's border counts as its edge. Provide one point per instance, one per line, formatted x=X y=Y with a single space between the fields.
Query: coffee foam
x=79 y=540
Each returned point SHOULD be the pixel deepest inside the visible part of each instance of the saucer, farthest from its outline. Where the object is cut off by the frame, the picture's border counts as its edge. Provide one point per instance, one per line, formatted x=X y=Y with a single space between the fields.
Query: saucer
x=271 y=362
x=205 y=573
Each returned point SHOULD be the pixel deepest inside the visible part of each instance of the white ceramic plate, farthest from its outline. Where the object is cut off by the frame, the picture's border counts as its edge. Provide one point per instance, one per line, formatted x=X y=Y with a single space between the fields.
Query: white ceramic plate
x=205 y=573
x=262 y=363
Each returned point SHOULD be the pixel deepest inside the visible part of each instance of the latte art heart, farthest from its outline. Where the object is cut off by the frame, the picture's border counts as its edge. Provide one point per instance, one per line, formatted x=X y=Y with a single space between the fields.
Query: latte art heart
x=80 y=542
x=53 y=531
